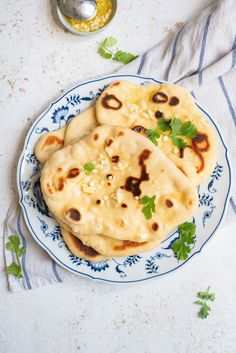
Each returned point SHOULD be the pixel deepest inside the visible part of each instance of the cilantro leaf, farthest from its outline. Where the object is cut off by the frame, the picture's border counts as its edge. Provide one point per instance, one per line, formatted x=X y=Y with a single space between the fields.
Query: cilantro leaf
x=104 y=52
x=109 y=42
x=199 y=302
x=205 y=308
x=178 y=128
x=150 y=206
x=204 y=311
x=178 y=142
x=88 y=168
x=152 y=135
x=163 y=125
x=188 y=229
x=124 y=57
x=188 y=130
x=103 y=48
x=206 y=295
x=14 y=242
x=21 y=251
x=15 y=270
x=186 y=237
x=176 y=125
x=14 y=246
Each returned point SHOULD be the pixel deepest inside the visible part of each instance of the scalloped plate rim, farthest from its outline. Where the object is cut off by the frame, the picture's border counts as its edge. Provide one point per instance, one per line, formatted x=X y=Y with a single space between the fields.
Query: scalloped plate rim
x=51 y=254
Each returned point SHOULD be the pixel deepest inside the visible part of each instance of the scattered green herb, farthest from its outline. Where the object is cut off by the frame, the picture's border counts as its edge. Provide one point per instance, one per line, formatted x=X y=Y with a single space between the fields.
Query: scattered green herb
x=205 y=308
x=177 y=128
x=178 y=142
x=103 y=50
x=124 y=57
x=188 y=130
x=14 y=246
x=106 y=50
x=88 y=168
x=163 y=125
x=149 y=207
x=152 y=135
x=181 y=245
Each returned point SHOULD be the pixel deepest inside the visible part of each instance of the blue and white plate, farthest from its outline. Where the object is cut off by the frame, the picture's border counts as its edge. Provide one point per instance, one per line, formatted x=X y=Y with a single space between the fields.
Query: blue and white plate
x=213 y=196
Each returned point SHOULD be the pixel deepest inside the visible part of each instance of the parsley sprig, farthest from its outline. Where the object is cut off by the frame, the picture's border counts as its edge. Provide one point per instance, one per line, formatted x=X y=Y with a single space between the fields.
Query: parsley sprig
x=88 y=168
x=175 y=128
x=205 y=308
x=149 y=207
x=181 y=246
x=14 y=246
x=106 y=50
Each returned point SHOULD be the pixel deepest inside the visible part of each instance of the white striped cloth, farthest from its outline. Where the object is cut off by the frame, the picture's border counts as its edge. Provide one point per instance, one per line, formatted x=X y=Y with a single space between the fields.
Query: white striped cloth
x=201 y=56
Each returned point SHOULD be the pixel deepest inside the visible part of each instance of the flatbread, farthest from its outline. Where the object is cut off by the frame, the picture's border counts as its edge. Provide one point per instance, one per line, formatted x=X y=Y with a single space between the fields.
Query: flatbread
x=80 y=250
x=49 y=143
x=53 y=141
x=116 y=248
x=127 y=167
x=80 y=126
x=139 y=108
x=108 y=246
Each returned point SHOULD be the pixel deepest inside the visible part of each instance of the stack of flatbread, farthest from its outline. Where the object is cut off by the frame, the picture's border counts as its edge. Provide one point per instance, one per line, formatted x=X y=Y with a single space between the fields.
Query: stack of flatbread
x=100 y=208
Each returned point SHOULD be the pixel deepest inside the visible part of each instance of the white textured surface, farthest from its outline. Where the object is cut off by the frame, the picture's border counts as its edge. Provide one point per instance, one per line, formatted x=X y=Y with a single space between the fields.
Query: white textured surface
x=37 y=61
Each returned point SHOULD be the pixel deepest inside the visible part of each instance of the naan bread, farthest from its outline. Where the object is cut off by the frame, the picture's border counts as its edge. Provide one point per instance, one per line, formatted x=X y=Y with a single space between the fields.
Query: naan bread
x=116 y=248
x=108 y=246
x=49 y=143
x=52 y=141
x=139 y=108
x=80 y=126
x=79 y=249
x=127 y=167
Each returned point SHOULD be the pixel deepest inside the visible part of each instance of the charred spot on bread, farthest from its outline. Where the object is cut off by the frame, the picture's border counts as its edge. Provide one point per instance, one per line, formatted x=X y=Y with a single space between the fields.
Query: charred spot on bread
x=73 y=173
x=51 y=140
x=155 y=226
x=201 y=142
x=159 y=97
x=74 y=214
x=109 y=176
x=60 y=184
x=109 y=142
x=174 y=101
x=158 y=114
x=115 y=159
x=110 y=101
x=140 y=129
x=133 y=183
x=128 y=244
x=169 y=203
x=95 y=137
x=87 y=250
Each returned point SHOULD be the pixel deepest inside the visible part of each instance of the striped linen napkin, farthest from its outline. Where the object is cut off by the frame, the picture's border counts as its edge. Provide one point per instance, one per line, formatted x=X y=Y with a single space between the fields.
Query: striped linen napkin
x=201 y=56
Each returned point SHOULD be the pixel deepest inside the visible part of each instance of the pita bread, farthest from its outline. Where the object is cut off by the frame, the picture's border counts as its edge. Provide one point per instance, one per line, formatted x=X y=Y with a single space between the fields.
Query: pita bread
x=127 y=167
x=139 y=108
